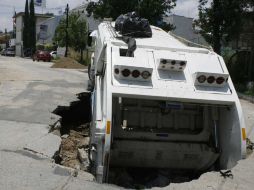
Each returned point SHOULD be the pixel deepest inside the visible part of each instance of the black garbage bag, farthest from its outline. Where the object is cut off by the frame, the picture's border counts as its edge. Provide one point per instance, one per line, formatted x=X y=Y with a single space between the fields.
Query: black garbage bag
x=132 y=25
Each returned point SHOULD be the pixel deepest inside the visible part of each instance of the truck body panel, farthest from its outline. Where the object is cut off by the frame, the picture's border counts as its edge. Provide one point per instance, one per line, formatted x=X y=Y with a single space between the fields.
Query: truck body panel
x=169 y=106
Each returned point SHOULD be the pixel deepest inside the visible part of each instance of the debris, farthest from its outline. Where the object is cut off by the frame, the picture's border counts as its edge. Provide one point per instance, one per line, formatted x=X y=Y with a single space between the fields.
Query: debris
x=65 y=136
x=83 y=157
x=227 y=174
x=67 y=63
x=250 y=146
x=84 y=142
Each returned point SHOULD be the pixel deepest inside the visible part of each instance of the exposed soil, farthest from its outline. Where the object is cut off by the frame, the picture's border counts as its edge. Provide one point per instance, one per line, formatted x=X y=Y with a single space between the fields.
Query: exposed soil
x=71 y=148
x=74 y=131
x=67 y=63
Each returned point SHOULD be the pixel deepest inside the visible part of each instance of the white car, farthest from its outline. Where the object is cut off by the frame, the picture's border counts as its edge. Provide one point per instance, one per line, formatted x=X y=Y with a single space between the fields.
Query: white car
x=53 y=54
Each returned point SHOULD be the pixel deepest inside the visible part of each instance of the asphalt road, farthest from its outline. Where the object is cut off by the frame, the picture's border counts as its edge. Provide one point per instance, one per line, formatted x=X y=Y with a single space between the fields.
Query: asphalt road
x=29 y=92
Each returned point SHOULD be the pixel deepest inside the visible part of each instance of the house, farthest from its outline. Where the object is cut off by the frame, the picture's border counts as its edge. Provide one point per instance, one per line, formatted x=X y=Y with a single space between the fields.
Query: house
x=184 y=28
x=19 y=17
x=47 y=29
x=91 y=21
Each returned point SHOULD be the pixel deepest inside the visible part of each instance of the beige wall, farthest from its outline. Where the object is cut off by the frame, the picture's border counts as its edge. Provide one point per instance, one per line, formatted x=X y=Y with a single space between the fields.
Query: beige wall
x=19 y=38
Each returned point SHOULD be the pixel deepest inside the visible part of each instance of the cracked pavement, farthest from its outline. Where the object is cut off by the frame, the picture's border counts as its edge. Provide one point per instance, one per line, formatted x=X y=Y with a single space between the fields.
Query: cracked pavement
x=29 y=92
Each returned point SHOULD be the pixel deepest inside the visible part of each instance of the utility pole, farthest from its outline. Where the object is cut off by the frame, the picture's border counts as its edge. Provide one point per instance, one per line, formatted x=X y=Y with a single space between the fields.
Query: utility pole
x=6 y=38
x=66 y=29
x=14 y=25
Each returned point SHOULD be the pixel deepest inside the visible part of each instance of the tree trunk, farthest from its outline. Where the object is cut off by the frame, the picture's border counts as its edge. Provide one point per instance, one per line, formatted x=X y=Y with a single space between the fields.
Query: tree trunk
x=81 y=56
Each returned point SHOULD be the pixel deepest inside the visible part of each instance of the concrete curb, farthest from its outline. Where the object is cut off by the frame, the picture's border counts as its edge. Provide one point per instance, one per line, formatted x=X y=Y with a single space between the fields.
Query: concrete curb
x=246 y=97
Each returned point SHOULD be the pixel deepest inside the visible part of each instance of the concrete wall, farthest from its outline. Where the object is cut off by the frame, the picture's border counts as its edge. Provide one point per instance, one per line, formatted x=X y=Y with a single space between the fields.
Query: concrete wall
x=19 y=35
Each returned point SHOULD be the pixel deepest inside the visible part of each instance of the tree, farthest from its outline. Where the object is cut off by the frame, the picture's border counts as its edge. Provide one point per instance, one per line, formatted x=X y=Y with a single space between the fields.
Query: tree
x=153 y=10
x=26 y=30
x=77 y=33
x=32 y=29
x=221 y=22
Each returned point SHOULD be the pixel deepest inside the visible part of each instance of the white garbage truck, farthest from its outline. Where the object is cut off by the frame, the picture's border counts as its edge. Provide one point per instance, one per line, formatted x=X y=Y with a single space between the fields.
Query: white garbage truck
x=165 y=105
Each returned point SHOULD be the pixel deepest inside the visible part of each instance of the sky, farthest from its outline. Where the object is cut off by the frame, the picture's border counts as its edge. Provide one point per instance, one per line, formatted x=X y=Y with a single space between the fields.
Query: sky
x=186 y=8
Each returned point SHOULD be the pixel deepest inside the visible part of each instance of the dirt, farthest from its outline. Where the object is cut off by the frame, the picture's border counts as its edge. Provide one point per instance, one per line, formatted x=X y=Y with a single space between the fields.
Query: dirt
x=68 y=152
x=250 y=147
x=74 y=131
x=67 y=63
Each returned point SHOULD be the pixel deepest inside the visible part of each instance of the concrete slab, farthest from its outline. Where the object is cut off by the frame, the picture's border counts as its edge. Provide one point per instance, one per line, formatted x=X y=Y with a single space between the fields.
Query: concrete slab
x=30 y=91
x=23 y=171
x=46 y=145
x=16 y=135
x=248 y=110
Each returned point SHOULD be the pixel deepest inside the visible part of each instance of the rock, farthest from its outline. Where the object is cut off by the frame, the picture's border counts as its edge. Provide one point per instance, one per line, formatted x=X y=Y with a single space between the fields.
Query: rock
x=65 y=136
x=83 y=157
x=84 y=142
x=57 y=126
x=85 y=176
x=56 y=132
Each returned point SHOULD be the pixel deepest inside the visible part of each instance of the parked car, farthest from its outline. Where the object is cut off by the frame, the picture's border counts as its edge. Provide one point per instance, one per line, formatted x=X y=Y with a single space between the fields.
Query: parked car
x=10 y=52
x=42 y=55
x=28 y=52
x=3 y=52
x=53 y=54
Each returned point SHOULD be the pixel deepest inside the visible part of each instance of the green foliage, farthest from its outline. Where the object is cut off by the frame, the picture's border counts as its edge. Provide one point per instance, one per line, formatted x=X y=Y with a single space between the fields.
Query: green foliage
x=240 y=87
x=29 y=30
x=77 y=32
x=32 y=28
x=153 y=10
x=250 y=91
x=220 y=21
x=49 y=47
x=26 y=32
x=40 y=47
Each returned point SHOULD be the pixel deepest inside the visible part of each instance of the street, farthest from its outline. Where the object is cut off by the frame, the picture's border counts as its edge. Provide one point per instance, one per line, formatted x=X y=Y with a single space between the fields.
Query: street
x=29 y=93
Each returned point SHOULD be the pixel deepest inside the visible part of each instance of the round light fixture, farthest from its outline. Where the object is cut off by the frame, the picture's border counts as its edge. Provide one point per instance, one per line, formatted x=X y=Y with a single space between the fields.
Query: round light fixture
x=135 y=73
x=145 y=74
x=126 y=72
x=201 y=78
x=211 y=79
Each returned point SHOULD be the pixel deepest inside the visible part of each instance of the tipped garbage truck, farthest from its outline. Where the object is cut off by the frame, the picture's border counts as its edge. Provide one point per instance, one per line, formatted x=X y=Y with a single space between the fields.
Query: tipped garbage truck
x=158 y=103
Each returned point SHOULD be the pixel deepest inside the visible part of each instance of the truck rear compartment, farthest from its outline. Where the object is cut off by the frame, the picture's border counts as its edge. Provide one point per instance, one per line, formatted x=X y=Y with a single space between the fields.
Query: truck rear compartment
x=165 y=134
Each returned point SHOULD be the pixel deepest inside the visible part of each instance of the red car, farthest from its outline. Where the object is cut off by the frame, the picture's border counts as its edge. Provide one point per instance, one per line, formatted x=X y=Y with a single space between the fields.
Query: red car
x=42 y=55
